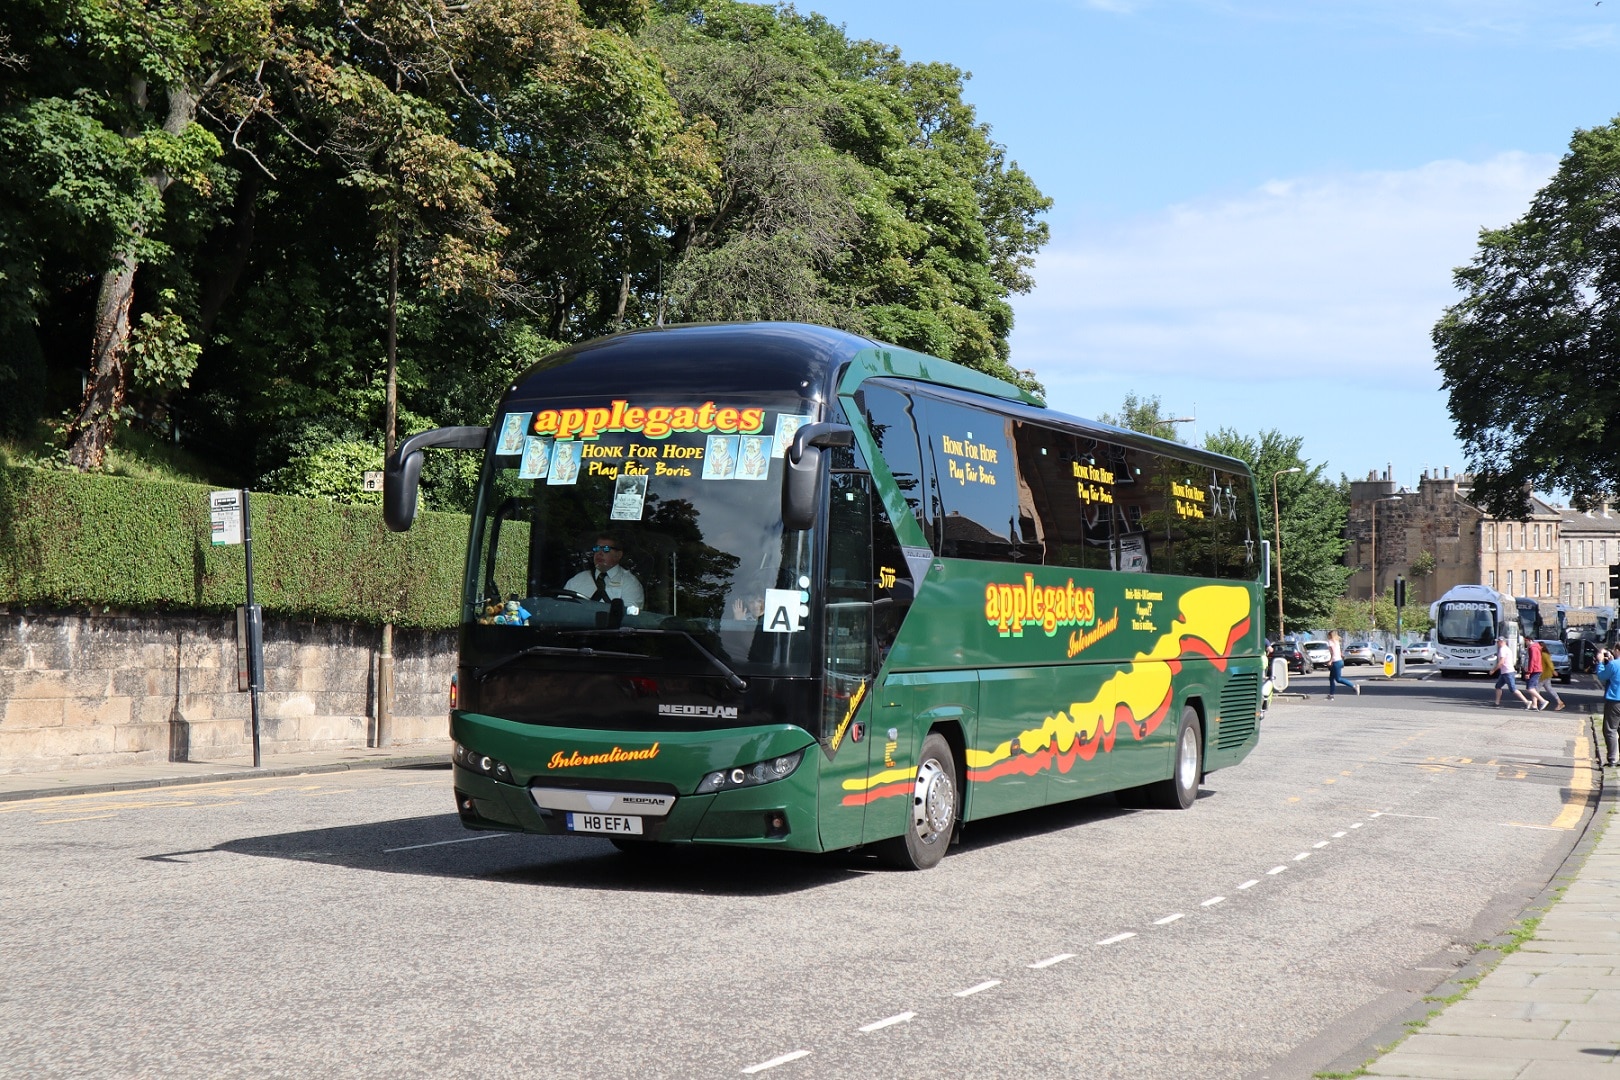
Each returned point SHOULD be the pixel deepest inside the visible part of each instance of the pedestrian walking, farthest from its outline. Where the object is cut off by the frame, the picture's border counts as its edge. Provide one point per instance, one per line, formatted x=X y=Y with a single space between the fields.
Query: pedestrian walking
x=1336 y=666
x=1543 y=677
x=1535 y=676
x=1608 y=673
x=1504 y=674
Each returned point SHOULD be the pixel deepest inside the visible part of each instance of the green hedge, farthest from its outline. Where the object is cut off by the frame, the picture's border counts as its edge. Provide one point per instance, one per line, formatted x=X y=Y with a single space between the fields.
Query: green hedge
x=70 y=540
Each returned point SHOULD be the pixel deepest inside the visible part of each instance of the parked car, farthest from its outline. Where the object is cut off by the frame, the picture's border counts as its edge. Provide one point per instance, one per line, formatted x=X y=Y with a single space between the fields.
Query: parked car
x=1294 y=653
x=1319 y=652
x=1556 y=659
x=1419 y=652
x=1360 y=652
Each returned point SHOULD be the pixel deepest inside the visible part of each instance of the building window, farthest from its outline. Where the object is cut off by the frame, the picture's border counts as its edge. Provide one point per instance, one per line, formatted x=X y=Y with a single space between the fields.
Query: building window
x=1566 y=592
x=1490 y=578
x=1507 y=538
x=1490 y=537
x=1538 y=583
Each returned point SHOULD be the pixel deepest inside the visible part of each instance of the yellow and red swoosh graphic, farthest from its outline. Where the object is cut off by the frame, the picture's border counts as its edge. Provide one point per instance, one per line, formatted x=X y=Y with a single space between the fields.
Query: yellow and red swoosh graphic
x=1137 y=698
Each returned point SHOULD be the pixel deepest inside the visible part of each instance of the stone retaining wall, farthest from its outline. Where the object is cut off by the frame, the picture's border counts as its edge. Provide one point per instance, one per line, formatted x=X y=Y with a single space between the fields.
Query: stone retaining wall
x=86 y=691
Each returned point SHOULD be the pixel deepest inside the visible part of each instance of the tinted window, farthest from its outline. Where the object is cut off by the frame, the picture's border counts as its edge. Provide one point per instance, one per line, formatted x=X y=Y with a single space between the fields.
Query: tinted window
x=974 y=472
x=889 y=414
x=1070 y=494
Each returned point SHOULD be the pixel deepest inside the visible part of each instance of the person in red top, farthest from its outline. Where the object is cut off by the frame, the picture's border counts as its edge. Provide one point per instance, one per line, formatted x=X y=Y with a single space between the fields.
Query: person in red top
x=1535 y=666
x=1532 y=675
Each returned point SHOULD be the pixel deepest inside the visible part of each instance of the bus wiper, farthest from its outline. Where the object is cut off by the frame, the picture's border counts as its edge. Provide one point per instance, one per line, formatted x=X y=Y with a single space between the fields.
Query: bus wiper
x=555 y=650
x=733 y=680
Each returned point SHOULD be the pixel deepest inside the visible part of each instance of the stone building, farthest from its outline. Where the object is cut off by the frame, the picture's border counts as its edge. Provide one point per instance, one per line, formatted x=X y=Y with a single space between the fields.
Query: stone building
x=1591 y=543
x=1436 y=538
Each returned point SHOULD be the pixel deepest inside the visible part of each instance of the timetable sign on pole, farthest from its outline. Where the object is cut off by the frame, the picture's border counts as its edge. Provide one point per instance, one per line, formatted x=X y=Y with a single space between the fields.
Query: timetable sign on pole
x=225 y=516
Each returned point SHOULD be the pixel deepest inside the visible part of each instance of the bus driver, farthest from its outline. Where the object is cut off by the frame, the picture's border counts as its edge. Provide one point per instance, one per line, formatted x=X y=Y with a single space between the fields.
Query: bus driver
x=607 y=580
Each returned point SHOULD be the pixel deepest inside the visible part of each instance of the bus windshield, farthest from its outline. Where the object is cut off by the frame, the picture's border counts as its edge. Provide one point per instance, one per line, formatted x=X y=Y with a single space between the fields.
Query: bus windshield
x=1466 y=622
x=649 y=542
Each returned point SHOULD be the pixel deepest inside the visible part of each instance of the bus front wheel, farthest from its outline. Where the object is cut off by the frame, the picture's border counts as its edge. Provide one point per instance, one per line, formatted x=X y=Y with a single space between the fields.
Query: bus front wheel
x=931 y=817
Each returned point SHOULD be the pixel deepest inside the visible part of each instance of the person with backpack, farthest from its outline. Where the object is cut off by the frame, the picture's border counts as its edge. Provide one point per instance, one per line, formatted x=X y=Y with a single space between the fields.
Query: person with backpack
x=1535 y=665
x=1608 y=673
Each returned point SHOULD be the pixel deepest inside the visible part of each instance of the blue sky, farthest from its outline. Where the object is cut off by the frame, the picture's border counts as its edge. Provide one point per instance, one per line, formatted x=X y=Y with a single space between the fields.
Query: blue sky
x=1258 y=203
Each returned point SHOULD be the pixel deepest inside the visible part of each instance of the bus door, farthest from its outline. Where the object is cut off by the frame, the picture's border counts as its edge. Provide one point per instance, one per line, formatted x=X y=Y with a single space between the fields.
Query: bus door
x=850 y=663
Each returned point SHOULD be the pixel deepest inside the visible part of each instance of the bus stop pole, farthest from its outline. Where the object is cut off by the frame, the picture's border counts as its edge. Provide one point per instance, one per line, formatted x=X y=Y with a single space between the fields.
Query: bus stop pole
x=255 y=630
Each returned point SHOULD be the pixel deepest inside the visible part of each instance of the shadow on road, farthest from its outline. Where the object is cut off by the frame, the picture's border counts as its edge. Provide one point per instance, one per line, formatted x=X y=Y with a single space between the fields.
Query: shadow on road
x=436 y=845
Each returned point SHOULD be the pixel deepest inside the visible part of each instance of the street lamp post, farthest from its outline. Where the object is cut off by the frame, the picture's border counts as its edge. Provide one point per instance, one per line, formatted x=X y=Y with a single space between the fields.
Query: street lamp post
x=1276 y=521
x=1178 y=420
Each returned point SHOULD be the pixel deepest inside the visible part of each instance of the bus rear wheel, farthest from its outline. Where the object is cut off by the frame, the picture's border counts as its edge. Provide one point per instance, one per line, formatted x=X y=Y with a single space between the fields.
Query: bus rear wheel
x=931 y=817
x=1181 y=790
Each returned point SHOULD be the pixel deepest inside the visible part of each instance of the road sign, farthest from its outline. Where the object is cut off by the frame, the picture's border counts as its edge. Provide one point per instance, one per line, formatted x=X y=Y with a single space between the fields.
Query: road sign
x=1389 y=664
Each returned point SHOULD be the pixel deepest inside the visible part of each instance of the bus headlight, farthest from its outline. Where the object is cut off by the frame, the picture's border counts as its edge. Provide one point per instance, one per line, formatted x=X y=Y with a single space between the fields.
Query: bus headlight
x=480 y=763
x=760 y=772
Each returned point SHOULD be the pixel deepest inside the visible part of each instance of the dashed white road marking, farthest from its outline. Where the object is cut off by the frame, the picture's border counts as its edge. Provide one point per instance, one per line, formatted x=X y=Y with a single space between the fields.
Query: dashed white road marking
x=978 y=989
x=775 y=1061
x=906 y=1017
x=441 y=843
x=898 y=1018
x=1050 y=960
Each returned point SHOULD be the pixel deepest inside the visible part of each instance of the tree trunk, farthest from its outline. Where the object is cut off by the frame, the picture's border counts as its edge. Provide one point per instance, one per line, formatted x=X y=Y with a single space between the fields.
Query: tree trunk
x=391 y=407
x=109 y=375
x=109 y=369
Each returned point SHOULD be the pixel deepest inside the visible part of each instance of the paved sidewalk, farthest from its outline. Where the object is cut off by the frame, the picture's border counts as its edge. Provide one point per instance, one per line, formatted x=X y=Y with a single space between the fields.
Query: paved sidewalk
x=1550 y=1010
x=34 y=785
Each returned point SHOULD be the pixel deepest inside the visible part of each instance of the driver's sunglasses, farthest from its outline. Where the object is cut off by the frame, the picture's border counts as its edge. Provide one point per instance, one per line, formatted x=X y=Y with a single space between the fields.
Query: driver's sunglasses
x=604 y=547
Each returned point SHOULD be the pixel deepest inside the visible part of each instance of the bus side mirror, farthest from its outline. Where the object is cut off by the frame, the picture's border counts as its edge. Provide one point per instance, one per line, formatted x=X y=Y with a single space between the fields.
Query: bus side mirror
x=404 y=470
x=801 y=471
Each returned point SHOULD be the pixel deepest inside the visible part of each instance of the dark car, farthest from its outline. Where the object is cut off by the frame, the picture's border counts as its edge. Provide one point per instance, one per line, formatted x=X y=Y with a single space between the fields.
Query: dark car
x=1555 y=660
x=1294 y=653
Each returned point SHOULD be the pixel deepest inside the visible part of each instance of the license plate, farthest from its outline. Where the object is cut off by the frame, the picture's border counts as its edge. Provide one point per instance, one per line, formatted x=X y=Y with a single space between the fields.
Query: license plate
x=604 y=823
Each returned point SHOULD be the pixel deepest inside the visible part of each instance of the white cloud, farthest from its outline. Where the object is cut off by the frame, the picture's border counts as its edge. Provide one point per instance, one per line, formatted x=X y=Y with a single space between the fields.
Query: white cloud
x=1314 y=274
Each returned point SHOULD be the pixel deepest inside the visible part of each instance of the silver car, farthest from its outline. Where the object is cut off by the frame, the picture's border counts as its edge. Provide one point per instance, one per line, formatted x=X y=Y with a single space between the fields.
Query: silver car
x=1419 y=652
x=1320 y=652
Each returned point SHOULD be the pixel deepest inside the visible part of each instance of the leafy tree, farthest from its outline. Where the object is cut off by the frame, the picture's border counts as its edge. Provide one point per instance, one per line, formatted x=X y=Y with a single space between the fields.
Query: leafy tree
x=1529 y=354
x=1312 y=512
x=148 y=69
x=854 y=188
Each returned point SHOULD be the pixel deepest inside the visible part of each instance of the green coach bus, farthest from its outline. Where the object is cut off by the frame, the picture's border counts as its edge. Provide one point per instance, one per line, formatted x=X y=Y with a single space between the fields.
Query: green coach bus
x=778 y=585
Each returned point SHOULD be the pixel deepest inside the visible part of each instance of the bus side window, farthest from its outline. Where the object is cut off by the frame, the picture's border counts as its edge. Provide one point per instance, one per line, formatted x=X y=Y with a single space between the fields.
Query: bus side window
x=889 y=414
x=976 y=478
